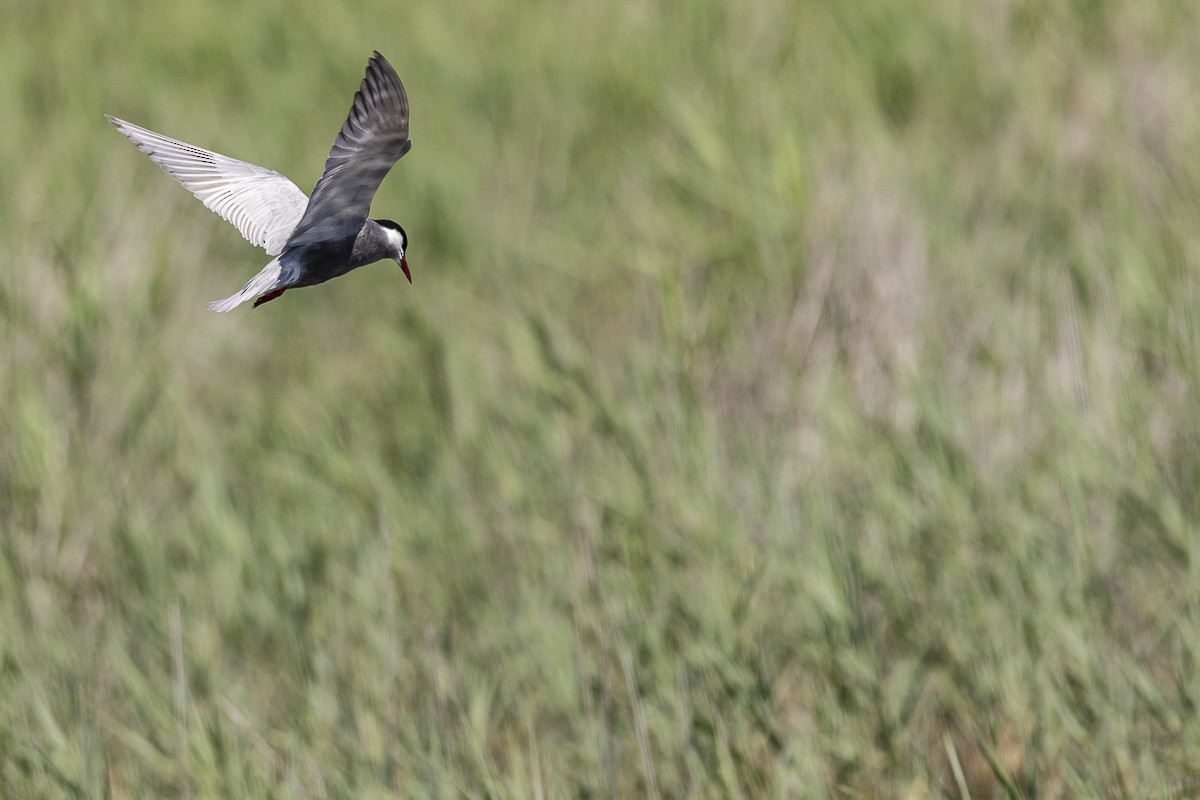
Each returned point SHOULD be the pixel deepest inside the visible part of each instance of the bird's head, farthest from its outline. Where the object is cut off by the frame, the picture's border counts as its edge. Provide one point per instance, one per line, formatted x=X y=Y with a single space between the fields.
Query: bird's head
x=398 y=240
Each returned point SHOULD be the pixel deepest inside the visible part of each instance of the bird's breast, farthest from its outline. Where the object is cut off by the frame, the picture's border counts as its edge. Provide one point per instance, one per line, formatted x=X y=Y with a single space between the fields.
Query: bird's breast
x=319 y=261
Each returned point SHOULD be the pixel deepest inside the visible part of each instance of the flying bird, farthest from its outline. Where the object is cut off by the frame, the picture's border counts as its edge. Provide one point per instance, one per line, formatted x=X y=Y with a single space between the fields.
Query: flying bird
x=313 y=239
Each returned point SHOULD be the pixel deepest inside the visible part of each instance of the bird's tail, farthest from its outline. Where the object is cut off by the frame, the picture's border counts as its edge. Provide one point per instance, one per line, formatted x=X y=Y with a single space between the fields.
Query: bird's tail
x=261 y=283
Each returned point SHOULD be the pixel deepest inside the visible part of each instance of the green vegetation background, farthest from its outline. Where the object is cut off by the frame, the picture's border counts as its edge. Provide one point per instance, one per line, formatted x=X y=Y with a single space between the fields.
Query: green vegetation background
x=795 y=399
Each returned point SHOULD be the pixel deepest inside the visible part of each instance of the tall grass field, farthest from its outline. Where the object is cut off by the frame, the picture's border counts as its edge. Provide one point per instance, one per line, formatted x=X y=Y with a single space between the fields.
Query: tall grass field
x=795 y=399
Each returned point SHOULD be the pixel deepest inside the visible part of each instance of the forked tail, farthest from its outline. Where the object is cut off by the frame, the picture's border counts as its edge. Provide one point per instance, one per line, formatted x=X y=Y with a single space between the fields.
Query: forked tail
x=262 y=283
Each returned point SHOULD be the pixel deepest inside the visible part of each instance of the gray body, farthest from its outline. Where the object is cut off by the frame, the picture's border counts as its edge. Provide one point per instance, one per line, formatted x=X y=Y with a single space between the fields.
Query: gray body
x=314 y=239
x=323 y=261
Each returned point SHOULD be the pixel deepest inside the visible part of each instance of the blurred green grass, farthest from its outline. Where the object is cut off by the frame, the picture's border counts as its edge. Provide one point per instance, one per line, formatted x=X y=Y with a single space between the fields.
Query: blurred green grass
x=795 y=399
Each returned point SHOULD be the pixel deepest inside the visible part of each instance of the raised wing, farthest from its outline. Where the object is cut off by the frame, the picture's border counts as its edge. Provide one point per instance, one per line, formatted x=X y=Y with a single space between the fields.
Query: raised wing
x=262 y=204
x=373 y=138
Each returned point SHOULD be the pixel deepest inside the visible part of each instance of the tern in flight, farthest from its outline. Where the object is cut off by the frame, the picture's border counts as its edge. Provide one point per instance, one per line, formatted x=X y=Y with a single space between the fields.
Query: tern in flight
x=313 y=239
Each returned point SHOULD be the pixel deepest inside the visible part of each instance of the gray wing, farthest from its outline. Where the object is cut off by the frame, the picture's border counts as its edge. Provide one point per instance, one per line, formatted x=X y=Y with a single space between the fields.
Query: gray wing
x=373 y=138
x=262 y=204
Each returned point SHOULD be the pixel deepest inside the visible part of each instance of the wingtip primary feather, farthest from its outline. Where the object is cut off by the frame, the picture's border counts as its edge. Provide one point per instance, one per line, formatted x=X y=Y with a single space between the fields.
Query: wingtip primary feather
x=118 y=123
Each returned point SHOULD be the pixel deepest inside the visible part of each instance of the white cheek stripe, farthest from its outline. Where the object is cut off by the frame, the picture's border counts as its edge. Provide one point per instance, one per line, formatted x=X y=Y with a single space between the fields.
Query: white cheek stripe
x=395 y=238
